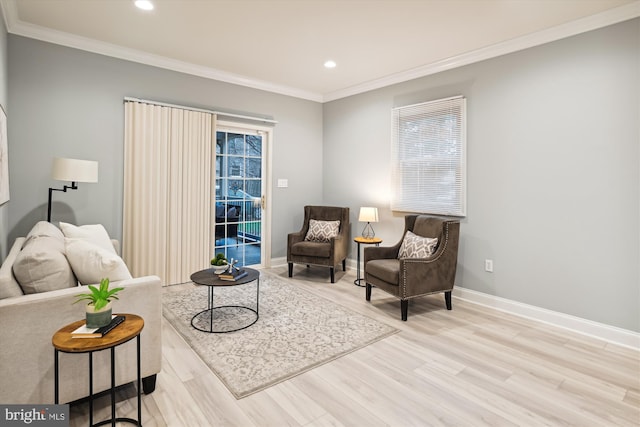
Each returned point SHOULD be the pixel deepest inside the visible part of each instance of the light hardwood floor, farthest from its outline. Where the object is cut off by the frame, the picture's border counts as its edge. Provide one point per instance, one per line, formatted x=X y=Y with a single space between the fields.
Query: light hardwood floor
x=472 y=366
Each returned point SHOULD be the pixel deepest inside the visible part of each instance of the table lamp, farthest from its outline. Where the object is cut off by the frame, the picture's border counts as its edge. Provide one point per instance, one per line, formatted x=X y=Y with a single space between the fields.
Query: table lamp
x=368 y=215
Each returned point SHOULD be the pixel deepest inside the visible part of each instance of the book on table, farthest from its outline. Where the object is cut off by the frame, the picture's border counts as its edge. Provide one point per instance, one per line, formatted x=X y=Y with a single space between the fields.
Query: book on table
x=84 y=332
x=235 y=275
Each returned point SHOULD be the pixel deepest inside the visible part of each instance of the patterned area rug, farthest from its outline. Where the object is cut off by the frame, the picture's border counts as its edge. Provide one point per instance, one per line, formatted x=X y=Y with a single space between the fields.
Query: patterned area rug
x=297 y=331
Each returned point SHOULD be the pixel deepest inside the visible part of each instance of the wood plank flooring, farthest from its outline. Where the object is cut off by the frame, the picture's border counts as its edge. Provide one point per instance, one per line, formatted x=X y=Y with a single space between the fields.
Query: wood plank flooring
x=472 y=366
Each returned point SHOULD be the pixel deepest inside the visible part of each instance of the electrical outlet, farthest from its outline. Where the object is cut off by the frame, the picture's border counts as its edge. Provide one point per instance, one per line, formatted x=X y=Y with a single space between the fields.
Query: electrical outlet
x=488 y=265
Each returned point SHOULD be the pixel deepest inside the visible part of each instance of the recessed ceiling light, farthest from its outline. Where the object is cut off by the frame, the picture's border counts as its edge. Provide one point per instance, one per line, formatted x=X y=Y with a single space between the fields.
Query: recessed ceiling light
x=330 y=64
x=144 y=4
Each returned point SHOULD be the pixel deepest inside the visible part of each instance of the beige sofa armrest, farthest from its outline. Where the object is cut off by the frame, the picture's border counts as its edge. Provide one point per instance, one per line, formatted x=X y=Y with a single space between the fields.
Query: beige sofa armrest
x=27 y=355
x=9 y=286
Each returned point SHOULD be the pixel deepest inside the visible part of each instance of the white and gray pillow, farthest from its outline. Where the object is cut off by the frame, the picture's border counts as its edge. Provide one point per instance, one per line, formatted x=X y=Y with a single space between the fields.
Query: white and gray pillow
x=322 y=231
x=414 y=246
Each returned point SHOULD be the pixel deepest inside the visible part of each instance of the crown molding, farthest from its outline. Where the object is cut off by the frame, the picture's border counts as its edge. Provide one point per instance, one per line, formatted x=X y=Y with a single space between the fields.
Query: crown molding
x=613 y=16
x=20 y=28
x=589 y=23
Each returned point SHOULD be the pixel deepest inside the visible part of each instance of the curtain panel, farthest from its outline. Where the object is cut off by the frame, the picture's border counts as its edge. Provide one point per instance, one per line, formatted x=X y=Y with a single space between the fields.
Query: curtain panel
x=167 y=191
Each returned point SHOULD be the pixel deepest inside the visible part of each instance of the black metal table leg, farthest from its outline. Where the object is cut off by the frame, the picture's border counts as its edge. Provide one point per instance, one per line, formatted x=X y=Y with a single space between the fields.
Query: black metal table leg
x=139 y=383
x=56 y=373
x=113 y=387
x=91 y=388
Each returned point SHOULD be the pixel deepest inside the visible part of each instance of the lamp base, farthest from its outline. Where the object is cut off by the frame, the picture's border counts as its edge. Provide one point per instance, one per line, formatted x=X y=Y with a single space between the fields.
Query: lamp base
x=368 y=232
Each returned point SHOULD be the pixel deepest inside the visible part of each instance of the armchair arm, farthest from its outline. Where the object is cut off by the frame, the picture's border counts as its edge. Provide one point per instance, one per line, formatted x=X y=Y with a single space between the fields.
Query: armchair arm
x=295 y=237
x=339 y=247
x=380 y=252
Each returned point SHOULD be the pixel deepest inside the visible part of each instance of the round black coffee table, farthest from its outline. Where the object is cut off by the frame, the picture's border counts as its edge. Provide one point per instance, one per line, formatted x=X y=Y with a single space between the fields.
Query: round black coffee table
x=211 y=280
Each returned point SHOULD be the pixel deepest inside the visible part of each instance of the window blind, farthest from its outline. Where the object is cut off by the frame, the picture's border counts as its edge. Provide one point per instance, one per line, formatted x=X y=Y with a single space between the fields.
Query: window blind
x=429 y=157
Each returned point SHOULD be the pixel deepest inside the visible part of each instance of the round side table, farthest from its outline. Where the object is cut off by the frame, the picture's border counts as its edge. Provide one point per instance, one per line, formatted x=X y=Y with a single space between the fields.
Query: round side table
x=208 y=278
x=364 y=241
x=64 y=342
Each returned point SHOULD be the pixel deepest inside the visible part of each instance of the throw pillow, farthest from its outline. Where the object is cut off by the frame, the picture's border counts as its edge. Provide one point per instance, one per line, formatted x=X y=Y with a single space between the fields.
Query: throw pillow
x=95 y=234
x=45 y=228
x=322 y=231
x=414 y=246
x=41 y=266
x=92 y=263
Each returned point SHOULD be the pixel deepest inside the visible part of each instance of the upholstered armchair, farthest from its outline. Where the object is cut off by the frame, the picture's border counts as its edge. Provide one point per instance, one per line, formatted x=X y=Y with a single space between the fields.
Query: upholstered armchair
x=322 y=240
x=417 y=265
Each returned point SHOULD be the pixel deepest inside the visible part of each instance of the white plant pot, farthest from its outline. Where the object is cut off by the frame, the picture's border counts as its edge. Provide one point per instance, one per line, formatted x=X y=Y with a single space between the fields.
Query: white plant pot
x=219 y=269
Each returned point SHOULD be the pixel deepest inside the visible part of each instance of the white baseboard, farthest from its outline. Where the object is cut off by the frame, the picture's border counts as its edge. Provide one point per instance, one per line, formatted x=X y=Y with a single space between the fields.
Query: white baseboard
x=601 y=331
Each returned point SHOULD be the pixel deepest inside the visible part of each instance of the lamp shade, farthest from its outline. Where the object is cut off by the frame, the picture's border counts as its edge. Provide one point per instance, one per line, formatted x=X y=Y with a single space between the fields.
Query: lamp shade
x=74 y=170
x=368 y=214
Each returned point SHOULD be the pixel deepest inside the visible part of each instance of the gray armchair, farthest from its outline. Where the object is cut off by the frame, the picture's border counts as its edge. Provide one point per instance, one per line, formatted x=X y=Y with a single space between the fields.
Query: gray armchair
x=326 y=253
x=408 y=278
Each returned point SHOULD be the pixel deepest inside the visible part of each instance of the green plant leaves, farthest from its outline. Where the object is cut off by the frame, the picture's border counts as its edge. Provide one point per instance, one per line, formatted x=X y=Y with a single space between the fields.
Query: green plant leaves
x=99 y=297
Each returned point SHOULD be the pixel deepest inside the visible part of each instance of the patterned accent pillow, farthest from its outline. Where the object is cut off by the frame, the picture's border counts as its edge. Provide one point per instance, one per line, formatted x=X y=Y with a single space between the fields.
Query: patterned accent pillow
x=414 y=246
x=322 y=231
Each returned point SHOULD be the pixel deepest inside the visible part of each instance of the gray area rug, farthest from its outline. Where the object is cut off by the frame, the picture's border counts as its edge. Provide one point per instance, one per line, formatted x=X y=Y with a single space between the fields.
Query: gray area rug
x=297 y=331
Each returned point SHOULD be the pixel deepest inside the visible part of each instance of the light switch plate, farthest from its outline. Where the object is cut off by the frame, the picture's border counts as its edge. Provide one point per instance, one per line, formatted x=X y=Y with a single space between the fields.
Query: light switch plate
x=283 y=183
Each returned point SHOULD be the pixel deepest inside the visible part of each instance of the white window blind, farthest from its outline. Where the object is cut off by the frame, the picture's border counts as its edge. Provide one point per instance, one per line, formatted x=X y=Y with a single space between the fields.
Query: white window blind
x=429 y=157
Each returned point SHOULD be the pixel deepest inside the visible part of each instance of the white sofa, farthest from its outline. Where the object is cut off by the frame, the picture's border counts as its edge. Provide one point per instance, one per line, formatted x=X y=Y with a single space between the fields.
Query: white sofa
x=28 y=322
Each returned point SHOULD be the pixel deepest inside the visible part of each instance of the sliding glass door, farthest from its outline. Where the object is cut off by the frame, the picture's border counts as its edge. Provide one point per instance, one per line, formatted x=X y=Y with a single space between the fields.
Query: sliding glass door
x=238 y=221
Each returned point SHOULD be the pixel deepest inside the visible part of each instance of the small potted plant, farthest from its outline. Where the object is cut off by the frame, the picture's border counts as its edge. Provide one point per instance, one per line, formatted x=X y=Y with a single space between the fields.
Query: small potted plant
x=219 y=263
x=98 y=311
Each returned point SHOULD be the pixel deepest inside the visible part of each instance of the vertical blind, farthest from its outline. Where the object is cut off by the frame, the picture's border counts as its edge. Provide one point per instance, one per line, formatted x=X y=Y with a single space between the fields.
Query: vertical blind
x=429 y=157
x=167 y=191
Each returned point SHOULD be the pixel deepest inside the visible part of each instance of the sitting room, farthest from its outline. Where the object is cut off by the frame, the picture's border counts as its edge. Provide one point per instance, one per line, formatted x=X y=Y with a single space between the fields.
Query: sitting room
x=427 y=212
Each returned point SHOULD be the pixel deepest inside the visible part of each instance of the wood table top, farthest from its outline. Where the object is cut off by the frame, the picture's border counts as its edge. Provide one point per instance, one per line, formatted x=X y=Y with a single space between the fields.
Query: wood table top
x=64 y=341
x=209 y=278
x=371 y=240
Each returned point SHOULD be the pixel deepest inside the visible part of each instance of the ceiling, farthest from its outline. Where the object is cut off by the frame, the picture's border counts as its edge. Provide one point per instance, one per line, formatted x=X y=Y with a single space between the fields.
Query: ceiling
x=280 y=46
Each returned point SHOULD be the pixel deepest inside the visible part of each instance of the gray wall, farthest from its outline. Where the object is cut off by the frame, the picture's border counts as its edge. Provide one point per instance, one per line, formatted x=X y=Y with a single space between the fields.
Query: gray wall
x=4 y=209
x=69 y=103
x=553 y=162
x=553 y=171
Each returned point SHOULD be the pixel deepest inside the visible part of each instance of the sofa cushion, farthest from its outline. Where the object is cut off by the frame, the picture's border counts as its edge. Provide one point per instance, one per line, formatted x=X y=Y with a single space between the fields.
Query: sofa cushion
x=414 y=246
x=322 y=231
x=41 y=266
x=94 y=233
x=312 y=249
x=387 y=269
x=45 y=228
x=92 y=263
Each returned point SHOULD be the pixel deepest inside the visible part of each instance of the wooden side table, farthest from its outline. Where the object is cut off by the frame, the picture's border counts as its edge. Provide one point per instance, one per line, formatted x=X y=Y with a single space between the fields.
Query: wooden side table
x=63 y=342
x=364 y=241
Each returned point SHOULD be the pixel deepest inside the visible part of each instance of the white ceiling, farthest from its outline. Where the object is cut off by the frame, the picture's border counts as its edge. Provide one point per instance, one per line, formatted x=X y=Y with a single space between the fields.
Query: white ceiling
x=281 y=46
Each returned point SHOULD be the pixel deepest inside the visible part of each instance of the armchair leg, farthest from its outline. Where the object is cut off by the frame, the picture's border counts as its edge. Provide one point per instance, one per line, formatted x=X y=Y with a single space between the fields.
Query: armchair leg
x=333 y=276
x=344 y=264
x=290 y=269
x=368 y=292
x=404 y=308
x=447 y=299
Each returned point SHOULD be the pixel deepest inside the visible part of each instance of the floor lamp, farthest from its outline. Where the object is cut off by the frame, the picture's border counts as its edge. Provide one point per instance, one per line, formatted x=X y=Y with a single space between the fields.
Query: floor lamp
x=71 y=170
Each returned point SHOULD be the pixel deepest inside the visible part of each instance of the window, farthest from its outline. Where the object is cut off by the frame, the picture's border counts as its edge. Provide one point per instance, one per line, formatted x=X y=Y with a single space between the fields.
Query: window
x=429 y=157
